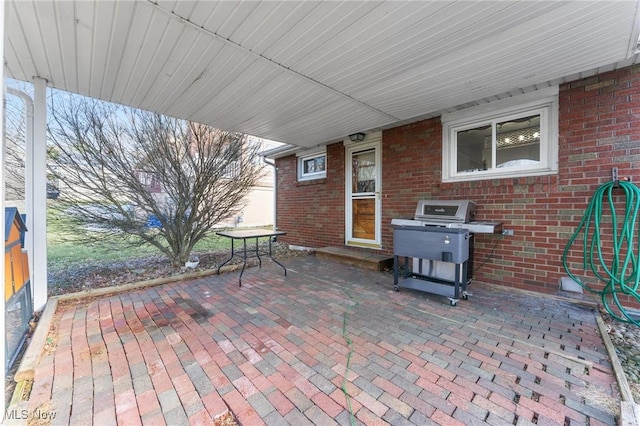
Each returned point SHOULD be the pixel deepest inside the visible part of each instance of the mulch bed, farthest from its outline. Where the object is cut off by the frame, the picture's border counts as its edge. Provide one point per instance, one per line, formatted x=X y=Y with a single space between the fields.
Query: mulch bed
x=75 y=278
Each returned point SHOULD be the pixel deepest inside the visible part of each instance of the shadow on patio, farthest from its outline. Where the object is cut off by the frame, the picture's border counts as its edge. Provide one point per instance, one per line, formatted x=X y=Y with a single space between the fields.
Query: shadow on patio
x=328 y=344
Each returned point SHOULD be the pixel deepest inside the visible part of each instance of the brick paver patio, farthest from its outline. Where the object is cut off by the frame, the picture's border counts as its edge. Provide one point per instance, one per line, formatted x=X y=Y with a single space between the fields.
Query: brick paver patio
x=328 y=344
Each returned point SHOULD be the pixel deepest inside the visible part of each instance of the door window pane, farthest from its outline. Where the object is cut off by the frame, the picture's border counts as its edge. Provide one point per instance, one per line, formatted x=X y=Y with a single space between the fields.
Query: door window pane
x=364 y=218
x=364 y=172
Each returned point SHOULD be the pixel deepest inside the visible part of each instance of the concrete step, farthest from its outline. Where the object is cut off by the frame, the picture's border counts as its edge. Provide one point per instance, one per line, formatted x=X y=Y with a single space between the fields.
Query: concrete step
x=366 y=260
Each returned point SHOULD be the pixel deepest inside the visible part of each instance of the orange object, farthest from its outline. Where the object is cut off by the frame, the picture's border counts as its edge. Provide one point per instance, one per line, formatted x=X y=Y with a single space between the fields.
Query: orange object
x=16 y=269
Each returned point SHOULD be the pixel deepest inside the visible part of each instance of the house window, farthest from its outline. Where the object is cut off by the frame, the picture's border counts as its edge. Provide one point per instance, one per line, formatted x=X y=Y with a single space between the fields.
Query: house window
x=312 y=166
x=233 y=169
x=515 y=137
x=149 y=181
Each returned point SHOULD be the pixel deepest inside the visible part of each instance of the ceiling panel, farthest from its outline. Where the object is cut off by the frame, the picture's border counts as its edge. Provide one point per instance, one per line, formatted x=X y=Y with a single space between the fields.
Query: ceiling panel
x=65 y=51
x=221 y=17
x=321 y=26
x=84 y=26
x=225 y=68
x=420 y=44
x=26 y=41
x=184 y=66
x=282 y=17
x=118 y=42
x=239 y=91
x=156 y=43
x=494 y=62
x=135 y=39
x=257 y=21
x=173 y=41
x=16 y=50
x=50 y=40
x=312 y=72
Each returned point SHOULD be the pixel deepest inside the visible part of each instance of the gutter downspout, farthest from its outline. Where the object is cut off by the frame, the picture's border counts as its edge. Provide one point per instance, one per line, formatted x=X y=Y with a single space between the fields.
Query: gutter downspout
x=38 y=164
x=275 y=191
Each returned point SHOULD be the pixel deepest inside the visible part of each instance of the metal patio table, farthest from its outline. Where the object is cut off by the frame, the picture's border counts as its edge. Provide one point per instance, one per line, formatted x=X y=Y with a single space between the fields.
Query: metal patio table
x=246 y=253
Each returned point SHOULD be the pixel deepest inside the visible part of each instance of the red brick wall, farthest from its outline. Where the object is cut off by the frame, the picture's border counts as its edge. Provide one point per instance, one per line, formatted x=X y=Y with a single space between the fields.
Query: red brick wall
x=411 y=171
x=599 y=128
x=311 y=212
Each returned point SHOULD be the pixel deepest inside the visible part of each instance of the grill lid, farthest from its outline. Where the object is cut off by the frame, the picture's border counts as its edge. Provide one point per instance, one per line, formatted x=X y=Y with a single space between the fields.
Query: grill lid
x=461 y=211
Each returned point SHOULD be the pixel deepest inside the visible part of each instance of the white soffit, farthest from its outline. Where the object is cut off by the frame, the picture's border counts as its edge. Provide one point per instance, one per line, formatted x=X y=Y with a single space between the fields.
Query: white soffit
x=307 y=72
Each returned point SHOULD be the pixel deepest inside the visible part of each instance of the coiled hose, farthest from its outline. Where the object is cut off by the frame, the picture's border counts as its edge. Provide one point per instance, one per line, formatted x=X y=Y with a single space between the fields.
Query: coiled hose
x=622 y=275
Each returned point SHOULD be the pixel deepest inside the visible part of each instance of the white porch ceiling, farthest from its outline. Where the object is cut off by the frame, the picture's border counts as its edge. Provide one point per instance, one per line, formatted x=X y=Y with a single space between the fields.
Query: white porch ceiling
x=309 y=72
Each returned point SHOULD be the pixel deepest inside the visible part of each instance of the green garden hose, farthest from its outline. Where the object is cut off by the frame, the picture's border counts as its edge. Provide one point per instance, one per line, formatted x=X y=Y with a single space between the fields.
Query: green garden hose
x=619 y=269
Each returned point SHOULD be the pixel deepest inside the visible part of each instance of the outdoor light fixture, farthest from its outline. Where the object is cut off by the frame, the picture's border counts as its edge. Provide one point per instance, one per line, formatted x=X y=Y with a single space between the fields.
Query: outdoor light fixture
x=356 y=137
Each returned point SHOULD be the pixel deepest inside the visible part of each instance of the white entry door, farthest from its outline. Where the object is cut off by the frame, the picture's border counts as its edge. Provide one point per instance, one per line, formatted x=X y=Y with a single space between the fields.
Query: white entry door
x=363 y=194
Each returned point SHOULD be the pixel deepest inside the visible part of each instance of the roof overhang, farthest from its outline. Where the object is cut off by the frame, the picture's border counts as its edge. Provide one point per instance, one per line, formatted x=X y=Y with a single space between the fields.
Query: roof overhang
x=281 y=151
x=309 y=72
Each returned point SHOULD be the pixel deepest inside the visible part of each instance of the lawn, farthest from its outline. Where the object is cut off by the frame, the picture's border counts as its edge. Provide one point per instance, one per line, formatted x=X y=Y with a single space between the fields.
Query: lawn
x=74 y=265
x=66 y=249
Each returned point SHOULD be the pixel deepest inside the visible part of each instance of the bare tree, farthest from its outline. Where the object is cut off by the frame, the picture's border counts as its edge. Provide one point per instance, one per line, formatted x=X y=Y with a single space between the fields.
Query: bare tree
x=15 y=130
x=163 y=181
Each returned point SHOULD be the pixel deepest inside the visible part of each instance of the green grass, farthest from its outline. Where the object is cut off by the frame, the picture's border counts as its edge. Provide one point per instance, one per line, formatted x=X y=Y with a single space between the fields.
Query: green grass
x=64 y=248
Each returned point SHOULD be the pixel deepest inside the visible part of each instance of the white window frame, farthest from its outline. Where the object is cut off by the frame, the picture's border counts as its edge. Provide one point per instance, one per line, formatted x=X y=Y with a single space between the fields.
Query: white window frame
x=310 y=155
x=542 y=102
